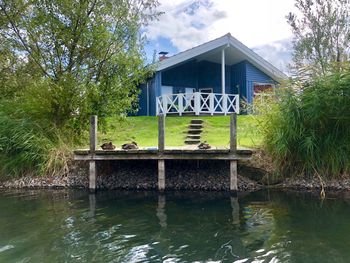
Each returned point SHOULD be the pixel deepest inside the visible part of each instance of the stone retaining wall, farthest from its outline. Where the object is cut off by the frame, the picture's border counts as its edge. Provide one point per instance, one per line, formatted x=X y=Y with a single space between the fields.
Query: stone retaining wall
x=142 y=174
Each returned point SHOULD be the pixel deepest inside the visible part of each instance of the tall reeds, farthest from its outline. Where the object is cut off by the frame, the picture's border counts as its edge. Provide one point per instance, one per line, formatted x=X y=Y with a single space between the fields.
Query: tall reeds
x=307 y=131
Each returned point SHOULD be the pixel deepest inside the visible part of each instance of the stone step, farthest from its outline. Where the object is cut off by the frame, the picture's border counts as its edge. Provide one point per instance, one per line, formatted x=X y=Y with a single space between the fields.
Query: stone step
x=196 y=121
x=189 y=141
x=194 y=136
x=195 y=126
x=194 y=131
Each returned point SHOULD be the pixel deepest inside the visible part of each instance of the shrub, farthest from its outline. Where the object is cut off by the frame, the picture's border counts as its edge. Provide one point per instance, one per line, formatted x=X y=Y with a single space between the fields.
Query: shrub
x=26 y=147
x=307 y=131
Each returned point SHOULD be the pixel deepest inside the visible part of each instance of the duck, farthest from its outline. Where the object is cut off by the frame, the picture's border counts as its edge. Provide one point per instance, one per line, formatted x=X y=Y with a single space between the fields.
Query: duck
x=108 y=146
x=204 y=145
x=130 y=146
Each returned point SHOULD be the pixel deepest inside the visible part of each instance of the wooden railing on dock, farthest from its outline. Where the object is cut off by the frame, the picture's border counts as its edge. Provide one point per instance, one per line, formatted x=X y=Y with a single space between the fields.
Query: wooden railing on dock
x=161 y=154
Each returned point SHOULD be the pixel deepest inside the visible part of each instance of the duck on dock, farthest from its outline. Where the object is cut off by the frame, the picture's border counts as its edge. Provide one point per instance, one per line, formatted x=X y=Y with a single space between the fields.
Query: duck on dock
x=108 y=146
x=204 y=145
x=130 y=146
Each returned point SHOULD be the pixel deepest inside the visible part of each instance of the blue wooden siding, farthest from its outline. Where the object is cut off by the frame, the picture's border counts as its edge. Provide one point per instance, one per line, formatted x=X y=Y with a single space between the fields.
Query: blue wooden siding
x=142 y=100
x=152 y=97
x=209 y=76
x=181 y=77
x=255 y=75
x=238 y=79
x=196 y=75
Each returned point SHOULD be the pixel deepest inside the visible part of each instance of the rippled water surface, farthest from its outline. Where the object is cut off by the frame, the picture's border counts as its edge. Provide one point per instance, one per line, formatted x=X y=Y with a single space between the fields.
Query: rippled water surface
x=73 y=226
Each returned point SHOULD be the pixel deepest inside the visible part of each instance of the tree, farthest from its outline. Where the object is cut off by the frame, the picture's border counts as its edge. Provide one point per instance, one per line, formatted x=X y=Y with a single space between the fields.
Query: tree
x=77 y=57
x=321 y=34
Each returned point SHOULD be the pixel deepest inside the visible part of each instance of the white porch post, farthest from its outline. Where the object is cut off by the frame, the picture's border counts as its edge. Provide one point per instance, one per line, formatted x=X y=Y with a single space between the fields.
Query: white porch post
x=224 y=98
x=147 y=87
x=180 y=103
x=197 y=102
x=223 y=71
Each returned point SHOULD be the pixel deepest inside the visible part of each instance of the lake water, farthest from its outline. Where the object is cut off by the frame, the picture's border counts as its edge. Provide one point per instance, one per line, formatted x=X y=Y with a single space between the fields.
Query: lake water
x=73 y=226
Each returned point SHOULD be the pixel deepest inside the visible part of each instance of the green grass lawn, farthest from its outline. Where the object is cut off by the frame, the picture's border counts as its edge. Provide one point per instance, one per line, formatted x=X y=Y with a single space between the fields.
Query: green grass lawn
x=144 y=131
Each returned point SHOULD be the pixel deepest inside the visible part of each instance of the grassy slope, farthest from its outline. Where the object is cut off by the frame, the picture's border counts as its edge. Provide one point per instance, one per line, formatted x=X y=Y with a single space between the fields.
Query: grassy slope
x=143 y=130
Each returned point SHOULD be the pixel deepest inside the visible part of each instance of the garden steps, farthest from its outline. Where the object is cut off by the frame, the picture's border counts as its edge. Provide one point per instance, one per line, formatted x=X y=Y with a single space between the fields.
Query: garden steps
x=197 y=121
x=195 y=128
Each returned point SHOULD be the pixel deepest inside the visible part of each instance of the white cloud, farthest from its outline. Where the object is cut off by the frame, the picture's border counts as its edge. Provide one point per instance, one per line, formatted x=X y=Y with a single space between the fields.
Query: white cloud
x=187 y=23
x=278 y=53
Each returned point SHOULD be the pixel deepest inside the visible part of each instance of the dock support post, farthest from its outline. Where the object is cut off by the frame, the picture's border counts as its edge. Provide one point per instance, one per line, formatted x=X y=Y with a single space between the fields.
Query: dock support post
x=161 y=132
x=233 y=176
x=161 y=147
x=93 y=145
x=93 y=133
x=92 y=176
x=233 y=132
x=161 y=175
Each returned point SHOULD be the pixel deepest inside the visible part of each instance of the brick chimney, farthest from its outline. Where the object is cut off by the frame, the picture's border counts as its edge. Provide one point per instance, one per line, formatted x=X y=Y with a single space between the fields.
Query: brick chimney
x=163 y=55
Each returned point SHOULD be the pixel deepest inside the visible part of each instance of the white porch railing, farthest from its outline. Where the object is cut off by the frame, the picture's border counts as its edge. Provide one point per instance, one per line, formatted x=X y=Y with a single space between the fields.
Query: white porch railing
x=198 y=103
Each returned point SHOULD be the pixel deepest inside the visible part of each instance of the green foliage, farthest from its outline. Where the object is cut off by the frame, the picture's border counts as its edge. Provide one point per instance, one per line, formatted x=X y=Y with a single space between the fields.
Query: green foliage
x=60 y=62
x=307 y=130
x=23 y=146
x=29 y=146
x=84 y=56
x=321 y=35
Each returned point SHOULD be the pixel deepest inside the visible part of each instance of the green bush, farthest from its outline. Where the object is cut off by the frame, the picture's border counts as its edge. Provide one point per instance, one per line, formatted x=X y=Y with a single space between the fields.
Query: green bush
x=27 y=146
x=307 y=131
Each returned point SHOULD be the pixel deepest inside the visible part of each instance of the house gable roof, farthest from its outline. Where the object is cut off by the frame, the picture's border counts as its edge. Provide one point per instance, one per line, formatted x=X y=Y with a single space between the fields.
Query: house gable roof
x=228 y=41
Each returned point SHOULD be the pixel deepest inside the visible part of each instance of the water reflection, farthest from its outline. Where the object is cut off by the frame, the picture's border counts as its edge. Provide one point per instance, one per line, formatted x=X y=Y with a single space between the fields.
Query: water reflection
x=161 y=210
x=92 y=204
x=70 y=226
x=235 y=210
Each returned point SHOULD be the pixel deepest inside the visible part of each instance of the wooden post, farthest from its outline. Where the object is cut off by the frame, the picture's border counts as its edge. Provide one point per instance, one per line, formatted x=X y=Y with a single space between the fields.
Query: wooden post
x=93 y=146
x=233 y=132
x=161 y=147
x=161 y=175
x=93 y=133
x=233 y=176
x=92 y=175
x=161 y=132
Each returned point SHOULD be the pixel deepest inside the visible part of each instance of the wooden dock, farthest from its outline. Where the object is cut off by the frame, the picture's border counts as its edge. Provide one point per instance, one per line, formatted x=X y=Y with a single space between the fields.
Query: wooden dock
x=161 y=154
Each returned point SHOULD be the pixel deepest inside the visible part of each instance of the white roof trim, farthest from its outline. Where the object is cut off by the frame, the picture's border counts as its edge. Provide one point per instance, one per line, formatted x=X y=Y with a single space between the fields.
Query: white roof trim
x=227 y=39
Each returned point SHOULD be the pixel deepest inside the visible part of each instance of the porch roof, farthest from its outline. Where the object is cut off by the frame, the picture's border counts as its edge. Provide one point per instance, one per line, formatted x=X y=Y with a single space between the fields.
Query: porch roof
x=235 y=52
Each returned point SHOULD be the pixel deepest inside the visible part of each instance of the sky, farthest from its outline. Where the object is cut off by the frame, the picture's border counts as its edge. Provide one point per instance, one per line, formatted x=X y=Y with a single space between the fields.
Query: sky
x=259 y=24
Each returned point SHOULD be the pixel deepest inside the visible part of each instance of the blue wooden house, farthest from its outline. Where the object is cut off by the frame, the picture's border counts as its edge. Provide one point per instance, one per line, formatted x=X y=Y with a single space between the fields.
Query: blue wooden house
x=210 y=78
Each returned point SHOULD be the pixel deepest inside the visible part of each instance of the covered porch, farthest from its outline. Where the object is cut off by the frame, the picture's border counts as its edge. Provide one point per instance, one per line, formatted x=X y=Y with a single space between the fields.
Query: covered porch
x=202 y=85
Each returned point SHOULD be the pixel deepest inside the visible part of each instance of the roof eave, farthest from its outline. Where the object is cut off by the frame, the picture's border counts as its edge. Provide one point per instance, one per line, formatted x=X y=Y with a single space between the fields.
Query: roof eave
x=227 y=39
